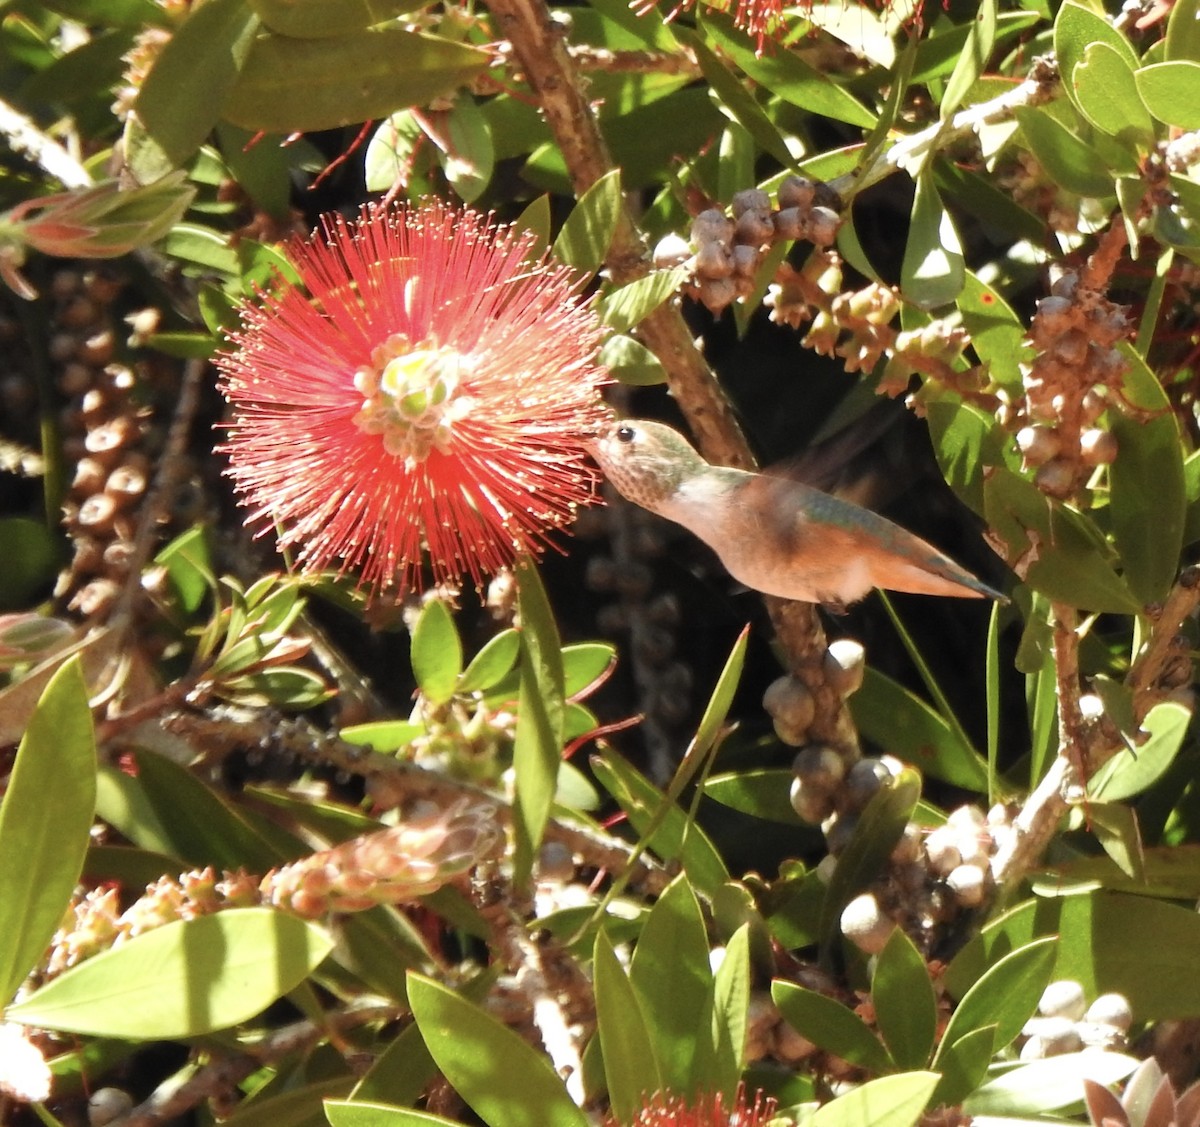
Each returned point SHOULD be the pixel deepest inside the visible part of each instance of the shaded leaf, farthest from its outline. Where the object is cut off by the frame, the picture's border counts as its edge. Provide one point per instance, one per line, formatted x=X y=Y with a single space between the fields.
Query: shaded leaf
x=318 y=19
x=182 y=97
x=305 y=85
x=828 y=1024
x=895 y=718
x=631 y=362
x=879 y=828
x=964 y=1065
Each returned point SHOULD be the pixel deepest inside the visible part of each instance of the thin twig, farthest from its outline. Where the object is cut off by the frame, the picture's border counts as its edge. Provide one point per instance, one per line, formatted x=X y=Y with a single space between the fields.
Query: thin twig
x=25 y=138
x=390 y=780
x=540 y=49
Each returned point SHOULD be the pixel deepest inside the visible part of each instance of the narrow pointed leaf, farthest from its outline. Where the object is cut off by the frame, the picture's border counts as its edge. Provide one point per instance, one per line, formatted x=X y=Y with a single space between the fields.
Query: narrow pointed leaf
x=731 y=1009
x=904 y=1001
x=537 y=749
x=587 y=234
x=436 y=652
x=830 y=1025
x=506 y=1081
x=933 y=270
x=45 y=823
x=631 y=1068
x=671 y=975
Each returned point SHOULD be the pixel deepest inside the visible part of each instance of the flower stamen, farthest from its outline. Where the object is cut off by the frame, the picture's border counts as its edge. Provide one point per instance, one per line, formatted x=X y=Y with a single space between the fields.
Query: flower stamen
x=411 y=398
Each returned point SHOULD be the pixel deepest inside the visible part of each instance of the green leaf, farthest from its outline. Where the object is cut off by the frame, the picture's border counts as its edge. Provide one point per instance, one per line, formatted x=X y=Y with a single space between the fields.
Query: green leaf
x=469 y=157
x=786 y=75
x=631 y=362
x=357 y=1114
x=320 y=19
x=436 y=652
x=740 y=103
x=585 y=664
x=731 y=1010
x=890 y=1101
x=1107 y=95
x=715 y=712
x=1006 y=996
x=505 y=1080
x=1076 y=28
x=892 y=716
x=1063 y=554
x=997 y=334
x=1183 y=31
x=305 y=85
x=964 y=1065
x=828 y=1024
x=189 y=567
x=354 y=1113
x=880 y=826
x=676 y=837
x=493 y=662
x=1131 y=772
x=202 y=828
x=670 y=973
x=905 y=1002
x=632 y=303
x=182 y=97
x=631 y=1068
x=1045 y=1086
x=45 y=823
x=31 y=555
x=1148 y=501
x=760 y=793
x=183 y=979
x=1067 y=159
x=1171 y=92
x=1116 y=829
x=967 y=442
x=933 y=271
x=537 y=746
x=974 y=57
x=588 y=232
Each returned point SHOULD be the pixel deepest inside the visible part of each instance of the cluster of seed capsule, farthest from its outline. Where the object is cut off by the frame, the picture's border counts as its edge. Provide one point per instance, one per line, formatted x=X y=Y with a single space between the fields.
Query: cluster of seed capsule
x=104 y=436
x=932 y=877
x=638 y=607
x=724 y=252
x=1067 y=386
x=1065 y=1023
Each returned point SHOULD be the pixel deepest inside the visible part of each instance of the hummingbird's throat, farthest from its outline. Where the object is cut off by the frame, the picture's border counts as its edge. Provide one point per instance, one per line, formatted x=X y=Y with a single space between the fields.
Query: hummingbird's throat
x=412 y=397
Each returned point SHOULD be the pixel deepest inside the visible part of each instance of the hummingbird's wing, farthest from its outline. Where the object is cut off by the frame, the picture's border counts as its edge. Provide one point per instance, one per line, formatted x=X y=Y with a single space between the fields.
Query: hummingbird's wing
x=845 y=549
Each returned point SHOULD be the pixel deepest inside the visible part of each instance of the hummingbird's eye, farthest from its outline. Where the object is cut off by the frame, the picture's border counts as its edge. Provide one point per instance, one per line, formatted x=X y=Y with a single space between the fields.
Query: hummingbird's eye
x=626 y=434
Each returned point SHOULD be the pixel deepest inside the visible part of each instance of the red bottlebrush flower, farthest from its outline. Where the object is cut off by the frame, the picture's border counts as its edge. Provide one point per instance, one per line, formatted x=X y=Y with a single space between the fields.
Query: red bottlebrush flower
x=707 y=1111
x=432 y=390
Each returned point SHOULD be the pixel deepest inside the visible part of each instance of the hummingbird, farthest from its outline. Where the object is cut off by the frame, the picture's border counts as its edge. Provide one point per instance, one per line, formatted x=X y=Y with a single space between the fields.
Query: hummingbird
x=774 y=534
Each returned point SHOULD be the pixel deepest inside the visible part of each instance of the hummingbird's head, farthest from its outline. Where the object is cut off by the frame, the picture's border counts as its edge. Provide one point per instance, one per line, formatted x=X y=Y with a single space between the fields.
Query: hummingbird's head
x=645 y=461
